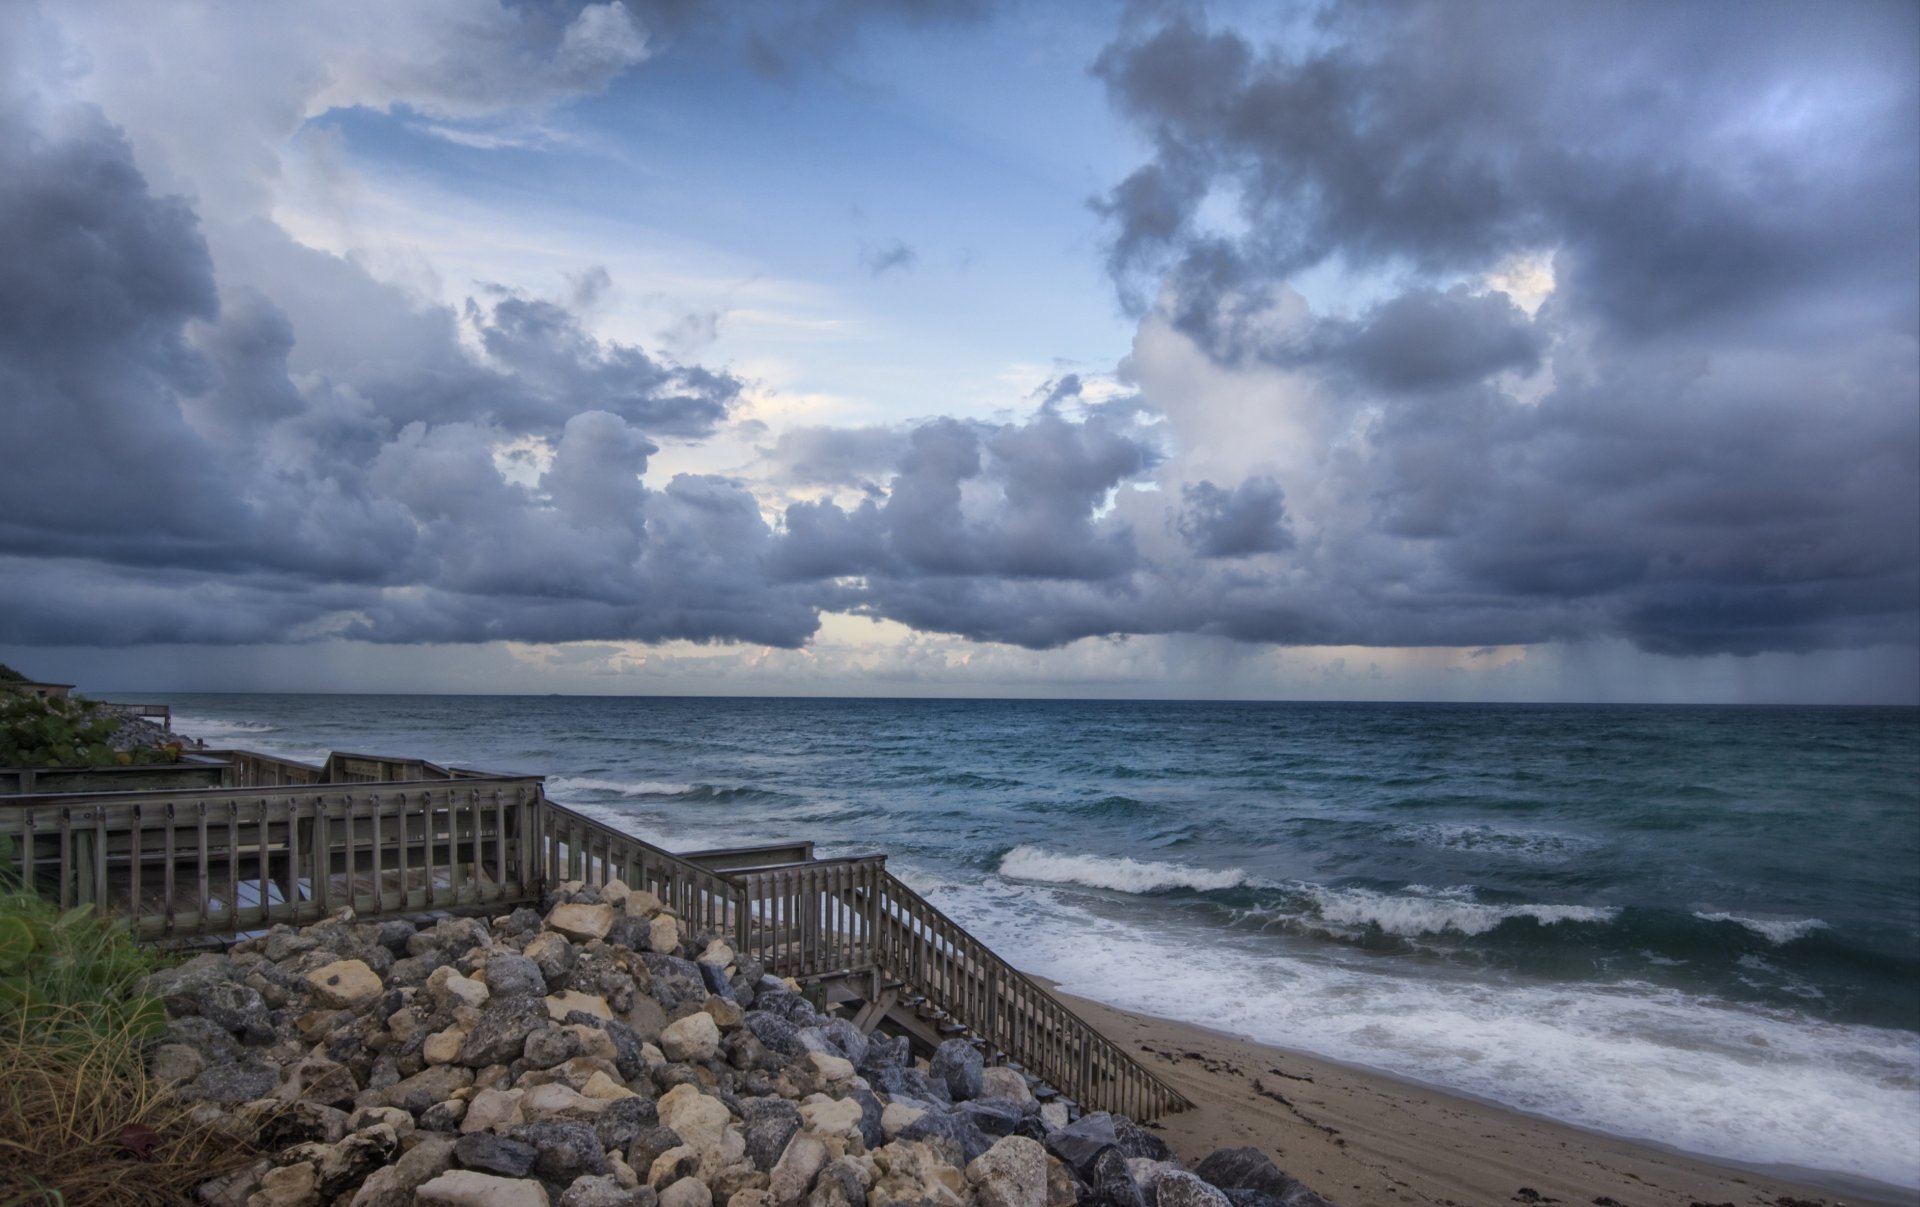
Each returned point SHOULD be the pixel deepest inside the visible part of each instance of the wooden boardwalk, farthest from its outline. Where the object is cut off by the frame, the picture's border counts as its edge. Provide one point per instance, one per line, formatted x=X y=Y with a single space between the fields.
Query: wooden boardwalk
x=292 y=842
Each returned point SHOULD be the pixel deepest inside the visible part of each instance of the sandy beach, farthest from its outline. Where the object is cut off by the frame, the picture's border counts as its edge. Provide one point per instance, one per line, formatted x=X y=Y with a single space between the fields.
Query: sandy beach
x=1365 y=1139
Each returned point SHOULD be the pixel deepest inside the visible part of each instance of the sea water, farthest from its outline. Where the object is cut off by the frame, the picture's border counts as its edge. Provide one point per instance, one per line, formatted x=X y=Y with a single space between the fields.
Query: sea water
x=1699 y=926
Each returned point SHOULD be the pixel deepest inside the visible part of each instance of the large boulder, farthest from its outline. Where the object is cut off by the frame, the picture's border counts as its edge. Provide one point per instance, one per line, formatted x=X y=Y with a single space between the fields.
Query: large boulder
x=1013 y=1173
x=345 y=984
x=489 y=1153
x=566 y=1149
x=958 y=1065
x=500 y=1035
x=694 y=1038
x=1178 y=1188
x=466 y=1188
x=581 y=923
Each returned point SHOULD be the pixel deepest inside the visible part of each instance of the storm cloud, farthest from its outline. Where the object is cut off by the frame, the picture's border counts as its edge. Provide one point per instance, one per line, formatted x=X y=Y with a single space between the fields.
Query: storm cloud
x=1444 y=338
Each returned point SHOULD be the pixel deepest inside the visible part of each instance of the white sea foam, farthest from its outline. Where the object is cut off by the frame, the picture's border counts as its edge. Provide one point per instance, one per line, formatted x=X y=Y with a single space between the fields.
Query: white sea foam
x=1533 y=846
x=583 y=783
x=1120 y=874
x=214 y=729
x=1429 y=911
x=1777 y=931
x=1739 y=1083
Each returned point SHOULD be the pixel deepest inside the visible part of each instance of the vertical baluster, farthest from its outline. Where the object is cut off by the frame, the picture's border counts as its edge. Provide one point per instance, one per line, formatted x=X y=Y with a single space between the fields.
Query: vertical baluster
x=232 y=918
x=263 y=833
x=377 y=857
x=135 y=912
x=167 y=874
x=203 y=899
x=406 y=852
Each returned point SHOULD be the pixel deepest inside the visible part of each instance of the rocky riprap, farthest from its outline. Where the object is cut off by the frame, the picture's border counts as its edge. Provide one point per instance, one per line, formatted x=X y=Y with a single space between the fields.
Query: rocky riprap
x=597 y=1056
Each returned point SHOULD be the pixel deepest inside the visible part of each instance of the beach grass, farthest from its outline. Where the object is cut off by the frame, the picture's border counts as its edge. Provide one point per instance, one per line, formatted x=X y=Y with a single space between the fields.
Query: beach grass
x=80 y=1121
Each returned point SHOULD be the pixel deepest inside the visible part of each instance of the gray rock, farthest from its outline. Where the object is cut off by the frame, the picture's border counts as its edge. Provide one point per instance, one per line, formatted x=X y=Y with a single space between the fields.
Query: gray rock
x=421 y=1091
x=649 y=1143
x=884 y=1052
x=1013 y=1173
x=769 y=1132
x=301 y=1123
x=1249 y=1169
x=909 y=1083
x=412 y=972
x=204 y=1036
x=603 y=1191
x=1299 y=1196
x=1178 y=1188
x=1137 y=1141
x=505 y=1022
x=675 y=981
x=968 y=1140
x=996 y=1119
x=623 y=1121
x=239 y=1009
x=550 y=1046
x=347 y=1164
x=393 y=1186
x=871 y=1133
x=511 y=975
x=838 y=1185
x=958 y=1064
x=775 y=1033
x=1081 y=1142
x=494 y=1154
x=846 y=1039
x=627 y=1056
x=442 y=1116
x=393 y=935
x=1111 y=1181
x=567 y=1149
x=233 y=1082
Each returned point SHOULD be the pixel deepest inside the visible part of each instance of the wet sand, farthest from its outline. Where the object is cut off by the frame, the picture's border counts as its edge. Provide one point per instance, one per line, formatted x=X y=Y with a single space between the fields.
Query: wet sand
x=1364 y=1139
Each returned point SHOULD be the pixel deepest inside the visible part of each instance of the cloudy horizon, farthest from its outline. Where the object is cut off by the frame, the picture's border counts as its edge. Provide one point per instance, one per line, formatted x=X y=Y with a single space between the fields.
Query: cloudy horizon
x=1432 y=350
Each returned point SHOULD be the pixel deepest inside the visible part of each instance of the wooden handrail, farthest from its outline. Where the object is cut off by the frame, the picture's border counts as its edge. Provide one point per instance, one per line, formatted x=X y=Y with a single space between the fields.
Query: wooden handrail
x=217 y=860
x=576 y=847
x=204 y=861
x=1016 y=1017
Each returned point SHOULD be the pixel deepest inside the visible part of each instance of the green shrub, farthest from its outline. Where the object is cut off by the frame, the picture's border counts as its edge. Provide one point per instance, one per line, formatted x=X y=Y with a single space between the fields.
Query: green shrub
x=66 y=733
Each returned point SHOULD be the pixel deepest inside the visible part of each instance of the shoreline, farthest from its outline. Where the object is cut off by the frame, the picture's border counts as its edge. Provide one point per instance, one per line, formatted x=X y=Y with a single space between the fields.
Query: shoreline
x=1369 y=1139
x=1363 y=1136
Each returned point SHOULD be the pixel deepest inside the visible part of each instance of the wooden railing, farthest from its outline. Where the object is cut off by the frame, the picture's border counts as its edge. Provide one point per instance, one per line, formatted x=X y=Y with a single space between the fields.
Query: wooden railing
x=345 y=768
x=177 y=864
x=815 y=918
x=576 y=847
x=844 y=916
x=252 y=769
x=217 y=860
x=1014 y=1015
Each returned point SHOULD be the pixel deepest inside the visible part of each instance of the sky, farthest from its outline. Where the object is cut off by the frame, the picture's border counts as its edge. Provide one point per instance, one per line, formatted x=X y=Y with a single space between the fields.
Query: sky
x=1437 y=349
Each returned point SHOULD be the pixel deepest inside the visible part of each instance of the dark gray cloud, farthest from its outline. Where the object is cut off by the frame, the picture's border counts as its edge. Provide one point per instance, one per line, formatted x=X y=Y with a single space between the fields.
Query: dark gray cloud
x=178 y=472
x=998 y=533
x=1719 y=446
x=1698 y=430
x=1250 y=518
x=1690 y=169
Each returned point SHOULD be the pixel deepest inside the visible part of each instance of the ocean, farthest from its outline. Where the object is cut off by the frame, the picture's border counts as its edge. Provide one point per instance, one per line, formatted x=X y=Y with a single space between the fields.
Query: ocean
x=1696 y=926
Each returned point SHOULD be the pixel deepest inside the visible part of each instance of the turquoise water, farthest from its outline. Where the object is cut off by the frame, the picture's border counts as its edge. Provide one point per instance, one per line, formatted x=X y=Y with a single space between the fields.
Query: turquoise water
x=1694 y=925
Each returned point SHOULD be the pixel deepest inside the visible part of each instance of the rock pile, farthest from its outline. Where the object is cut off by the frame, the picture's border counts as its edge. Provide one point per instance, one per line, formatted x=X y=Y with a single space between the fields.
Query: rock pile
x=599 y=1056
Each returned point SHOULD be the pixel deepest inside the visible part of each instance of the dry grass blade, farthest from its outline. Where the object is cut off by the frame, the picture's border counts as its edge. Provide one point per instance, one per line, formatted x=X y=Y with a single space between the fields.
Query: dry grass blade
x=67 y=1112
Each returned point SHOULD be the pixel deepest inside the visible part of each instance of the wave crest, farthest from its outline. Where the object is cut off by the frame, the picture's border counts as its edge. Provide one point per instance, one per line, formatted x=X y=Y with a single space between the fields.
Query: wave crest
x=583 y=783
x=1777 y=931
x=1119 y=874
x=1445 y=910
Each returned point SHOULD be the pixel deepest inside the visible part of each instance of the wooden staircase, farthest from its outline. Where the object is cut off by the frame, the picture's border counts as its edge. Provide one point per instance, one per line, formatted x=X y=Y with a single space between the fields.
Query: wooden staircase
x=292 y=843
